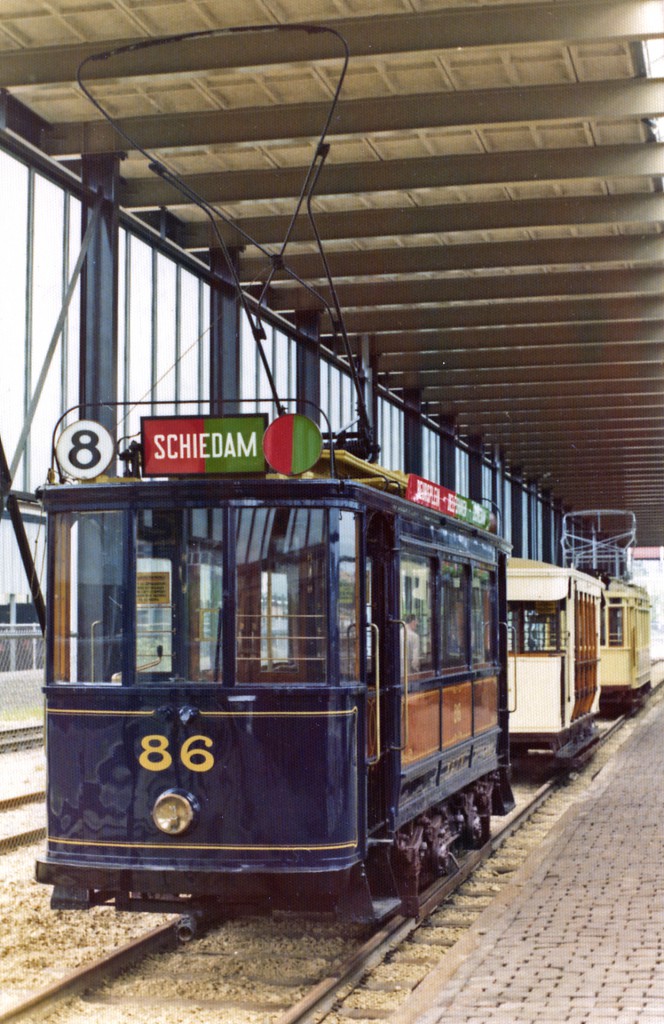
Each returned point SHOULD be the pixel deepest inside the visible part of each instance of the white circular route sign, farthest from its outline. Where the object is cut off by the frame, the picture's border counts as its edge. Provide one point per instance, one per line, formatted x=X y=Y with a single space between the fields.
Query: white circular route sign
x=85 y=449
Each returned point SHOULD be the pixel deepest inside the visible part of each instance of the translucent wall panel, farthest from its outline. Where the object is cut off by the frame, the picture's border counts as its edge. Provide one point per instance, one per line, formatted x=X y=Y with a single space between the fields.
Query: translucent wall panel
x=193 y=364
x=462 y=481
x=43 y=223
x=430 y=454
x=138 y=333
x=390 y=435
x=165 y=331
x=48 y=291
x=163 y=336
x=13 y=313
x=336 y=396
x=507 y=510
x=280 y=352
x=487 y=477
x=71 y=334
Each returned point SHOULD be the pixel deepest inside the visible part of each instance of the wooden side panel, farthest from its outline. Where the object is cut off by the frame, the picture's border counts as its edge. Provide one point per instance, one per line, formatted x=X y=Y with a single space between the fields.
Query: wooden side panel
x=423 y=737
x=586 y=654
x=486 y=703
x=457 y=713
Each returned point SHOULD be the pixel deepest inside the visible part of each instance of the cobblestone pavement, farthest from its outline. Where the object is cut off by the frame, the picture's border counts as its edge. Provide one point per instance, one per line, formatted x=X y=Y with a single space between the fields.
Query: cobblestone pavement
x=579 y=935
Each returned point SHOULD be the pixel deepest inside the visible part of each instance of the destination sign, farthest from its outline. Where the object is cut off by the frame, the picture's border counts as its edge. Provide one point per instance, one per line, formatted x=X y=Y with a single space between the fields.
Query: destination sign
x=202 y=445
x=441 y=499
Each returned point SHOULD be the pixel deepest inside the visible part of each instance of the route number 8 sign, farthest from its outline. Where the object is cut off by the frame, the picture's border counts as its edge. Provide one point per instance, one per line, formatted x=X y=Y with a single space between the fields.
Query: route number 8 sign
x=85 y=449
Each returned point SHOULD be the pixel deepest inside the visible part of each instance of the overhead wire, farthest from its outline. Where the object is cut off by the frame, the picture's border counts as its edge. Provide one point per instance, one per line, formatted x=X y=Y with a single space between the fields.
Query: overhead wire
x=276 y=262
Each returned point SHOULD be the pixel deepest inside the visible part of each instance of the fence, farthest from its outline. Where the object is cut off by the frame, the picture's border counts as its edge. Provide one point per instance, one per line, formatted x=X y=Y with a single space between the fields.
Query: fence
x=22 y=763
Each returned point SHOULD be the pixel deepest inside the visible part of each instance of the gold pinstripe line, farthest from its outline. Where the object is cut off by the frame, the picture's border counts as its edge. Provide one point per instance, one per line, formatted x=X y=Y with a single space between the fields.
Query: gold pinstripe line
x=213 y=714
x=350 y=844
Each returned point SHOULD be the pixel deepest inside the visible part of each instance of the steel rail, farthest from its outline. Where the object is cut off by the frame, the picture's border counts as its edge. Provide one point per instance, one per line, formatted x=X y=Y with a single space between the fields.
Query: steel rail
x=12 y=802
x=92 y=975
x=321 y=998
x=322 y=995
x=11 y=843
x=21 y=738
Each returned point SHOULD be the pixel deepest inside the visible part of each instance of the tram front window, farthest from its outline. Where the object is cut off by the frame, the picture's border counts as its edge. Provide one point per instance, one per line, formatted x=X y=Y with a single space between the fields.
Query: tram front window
x=281 y=595
x=179 y=595
x=87 y=596
x=534 y=627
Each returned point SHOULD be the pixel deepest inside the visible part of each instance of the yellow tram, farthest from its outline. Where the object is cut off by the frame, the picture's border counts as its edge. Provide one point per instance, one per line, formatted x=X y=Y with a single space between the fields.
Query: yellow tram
x=625 y=646
x=554 y=617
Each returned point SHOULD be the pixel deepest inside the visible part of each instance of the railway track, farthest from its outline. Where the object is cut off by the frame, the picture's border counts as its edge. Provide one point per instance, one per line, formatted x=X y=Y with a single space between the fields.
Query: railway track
x=292 y=970
x=23 y=737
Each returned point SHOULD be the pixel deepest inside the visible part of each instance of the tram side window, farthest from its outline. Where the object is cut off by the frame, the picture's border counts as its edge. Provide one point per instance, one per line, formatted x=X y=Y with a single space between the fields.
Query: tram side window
x=482 y=616
x=281 y=595
x=87 y=596
x=534 y=627
x=348 y=608
x=417 y=611
x=454 y=598
x=616 y=626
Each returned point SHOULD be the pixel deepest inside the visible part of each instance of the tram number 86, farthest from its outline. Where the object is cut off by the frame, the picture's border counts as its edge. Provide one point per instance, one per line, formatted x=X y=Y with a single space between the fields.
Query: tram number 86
x=156 y=756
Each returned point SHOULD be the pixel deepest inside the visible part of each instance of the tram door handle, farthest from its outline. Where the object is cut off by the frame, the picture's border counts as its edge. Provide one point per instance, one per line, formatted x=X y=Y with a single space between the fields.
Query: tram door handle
x=511 y=632
x=404 y=700
x=376 y=665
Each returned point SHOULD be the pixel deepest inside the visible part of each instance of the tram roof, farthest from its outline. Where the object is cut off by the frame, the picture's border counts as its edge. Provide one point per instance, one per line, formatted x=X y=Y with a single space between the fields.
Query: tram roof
x=491 y=206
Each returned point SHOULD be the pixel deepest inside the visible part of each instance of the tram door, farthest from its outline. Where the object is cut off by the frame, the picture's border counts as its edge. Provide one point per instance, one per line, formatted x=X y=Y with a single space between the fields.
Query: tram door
x=382 y=686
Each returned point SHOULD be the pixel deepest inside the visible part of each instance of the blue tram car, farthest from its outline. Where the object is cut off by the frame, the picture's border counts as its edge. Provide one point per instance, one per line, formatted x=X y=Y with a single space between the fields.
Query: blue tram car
x=268 y=691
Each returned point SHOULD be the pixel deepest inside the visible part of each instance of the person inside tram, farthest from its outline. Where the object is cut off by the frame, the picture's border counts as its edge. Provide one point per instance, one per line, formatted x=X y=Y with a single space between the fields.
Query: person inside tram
x=412 y=644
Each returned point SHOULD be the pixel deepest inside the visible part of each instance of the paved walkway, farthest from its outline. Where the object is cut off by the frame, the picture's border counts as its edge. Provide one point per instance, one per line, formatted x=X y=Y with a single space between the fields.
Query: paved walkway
x=578 y=936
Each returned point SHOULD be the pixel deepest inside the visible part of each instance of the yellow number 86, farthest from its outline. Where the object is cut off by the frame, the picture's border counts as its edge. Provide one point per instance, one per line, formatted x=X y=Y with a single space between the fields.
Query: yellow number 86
x=156 y=756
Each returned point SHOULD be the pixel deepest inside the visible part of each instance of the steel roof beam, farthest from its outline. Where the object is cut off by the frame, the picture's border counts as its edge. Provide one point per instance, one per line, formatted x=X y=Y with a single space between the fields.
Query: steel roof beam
x=492 y=314
x=398 y=260
x=591 y=101
x=513 y=358
x=632 y=387
x=440 y=218
x=576 y=22
x=485 y=339
x=638 y=160
x=636 y=281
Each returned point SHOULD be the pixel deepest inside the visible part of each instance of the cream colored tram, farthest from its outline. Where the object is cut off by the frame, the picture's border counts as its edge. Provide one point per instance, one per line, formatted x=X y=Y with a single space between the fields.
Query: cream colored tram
x=554 y=657
x=625 y=647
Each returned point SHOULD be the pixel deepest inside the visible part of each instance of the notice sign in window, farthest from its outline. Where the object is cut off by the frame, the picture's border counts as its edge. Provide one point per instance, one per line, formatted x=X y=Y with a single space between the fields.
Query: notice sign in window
x=202 y=445
x=153 y=588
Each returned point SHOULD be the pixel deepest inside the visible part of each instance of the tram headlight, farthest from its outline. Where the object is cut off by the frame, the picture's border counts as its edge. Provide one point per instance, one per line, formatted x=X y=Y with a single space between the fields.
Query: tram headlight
x=175 y=812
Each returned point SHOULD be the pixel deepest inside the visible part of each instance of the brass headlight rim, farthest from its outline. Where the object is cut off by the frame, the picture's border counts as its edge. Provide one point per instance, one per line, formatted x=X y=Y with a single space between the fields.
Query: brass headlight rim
x=186 y=802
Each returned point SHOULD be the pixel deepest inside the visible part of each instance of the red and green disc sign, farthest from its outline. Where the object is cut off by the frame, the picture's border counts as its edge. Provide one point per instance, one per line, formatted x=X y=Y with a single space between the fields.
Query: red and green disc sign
x=292 y=444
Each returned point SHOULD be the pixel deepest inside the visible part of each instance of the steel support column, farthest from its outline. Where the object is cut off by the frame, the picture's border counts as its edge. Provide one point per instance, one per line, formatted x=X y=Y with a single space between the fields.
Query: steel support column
x=558 y=513
x=448 y=450
x=412 y=441
x=548 y=554
x=99 y=294
x=224 y=339
x=475 y=446
x=498 y=489
x=533 y=507
x=517 y=515
x=367 y=372
x=307 y=375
